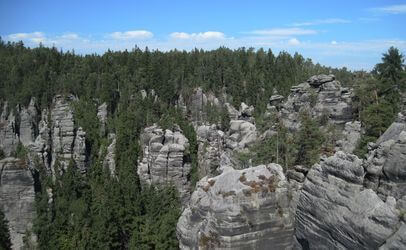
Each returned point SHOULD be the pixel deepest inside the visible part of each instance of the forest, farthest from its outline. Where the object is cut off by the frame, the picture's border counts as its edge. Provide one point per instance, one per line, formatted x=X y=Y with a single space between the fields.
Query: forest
x=98 y=211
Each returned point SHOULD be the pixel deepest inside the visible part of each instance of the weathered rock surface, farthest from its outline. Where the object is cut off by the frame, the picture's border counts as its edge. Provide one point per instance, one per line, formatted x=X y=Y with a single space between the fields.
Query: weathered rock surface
x=67 y=142
x=397 y=240
x=102 y=115
x=8 y=131
x=351 y=136
x=321 y=96
x=110 y=158
x=28 y=123
x=241 y=135
x=239 y=209
x=17 y=198
x=165 y=159
x=40 y=149
x=336 y=212
x=386 y=167
x=210 y=147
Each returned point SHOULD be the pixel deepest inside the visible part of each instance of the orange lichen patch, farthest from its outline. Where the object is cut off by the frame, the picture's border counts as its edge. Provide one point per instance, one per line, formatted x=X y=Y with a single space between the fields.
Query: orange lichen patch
x=264 y=184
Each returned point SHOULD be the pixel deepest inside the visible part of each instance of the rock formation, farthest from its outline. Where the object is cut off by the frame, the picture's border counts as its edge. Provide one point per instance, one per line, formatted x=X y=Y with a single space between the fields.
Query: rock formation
x=8 y=131
x=165 y=159
x=109 y=160
x=321 y=95
x=239 y=209
x=335 y=211
x=17 y=198
x=241 y=135
x=210 y=147
x=102 y=115
x=28 y=123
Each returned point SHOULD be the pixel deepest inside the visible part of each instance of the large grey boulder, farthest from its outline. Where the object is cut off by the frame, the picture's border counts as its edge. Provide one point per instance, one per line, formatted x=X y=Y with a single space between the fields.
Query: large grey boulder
x=242 y=134
x=17 y=198
x=335 y=211
x=239 y=209
x=165 y=159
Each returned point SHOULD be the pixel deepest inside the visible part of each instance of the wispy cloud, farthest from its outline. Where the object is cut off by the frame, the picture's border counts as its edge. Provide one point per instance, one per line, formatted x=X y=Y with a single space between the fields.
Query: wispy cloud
x=198 y=36
x=131 y=35
x=391 y=9
x=283 y=32
x=36 y=37
x=322 y=21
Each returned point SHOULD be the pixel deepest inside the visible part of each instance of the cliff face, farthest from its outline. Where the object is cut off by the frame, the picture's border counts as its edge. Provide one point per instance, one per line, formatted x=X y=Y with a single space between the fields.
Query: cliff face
x=17 y=198
x=48 y=138
x=165 y=159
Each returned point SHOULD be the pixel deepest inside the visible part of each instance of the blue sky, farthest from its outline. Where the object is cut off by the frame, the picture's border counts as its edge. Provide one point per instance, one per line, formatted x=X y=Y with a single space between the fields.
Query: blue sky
x=334 y=33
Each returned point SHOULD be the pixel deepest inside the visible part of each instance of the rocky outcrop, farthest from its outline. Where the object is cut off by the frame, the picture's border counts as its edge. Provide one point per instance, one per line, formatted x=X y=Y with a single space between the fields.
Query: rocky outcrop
x=17 y=198
x=39 y=152
x=210 y=147
x=8 y=131
x=165 y=159
x=28 y=123
x=241 y=135
x=350 y=137
x=102 y=115
x=321 y=95
x=335 y=211
x=67 y=142
x=110 y=158
x=239 y=209
x=385 y=167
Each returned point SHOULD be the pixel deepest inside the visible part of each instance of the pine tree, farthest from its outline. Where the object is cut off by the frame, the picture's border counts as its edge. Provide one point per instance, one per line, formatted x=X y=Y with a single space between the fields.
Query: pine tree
x=5 y=242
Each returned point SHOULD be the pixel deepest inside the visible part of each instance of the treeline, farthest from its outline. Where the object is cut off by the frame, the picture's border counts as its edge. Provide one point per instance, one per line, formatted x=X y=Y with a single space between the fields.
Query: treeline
x=244 y=74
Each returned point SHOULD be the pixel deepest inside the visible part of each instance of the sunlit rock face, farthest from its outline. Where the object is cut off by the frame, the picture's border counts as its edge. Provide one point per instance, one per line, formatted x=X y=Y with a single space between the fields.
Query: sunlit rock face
x=335 y=211
x=17 y=198
x=165 y=159
x=321 y=95
x=239 y=209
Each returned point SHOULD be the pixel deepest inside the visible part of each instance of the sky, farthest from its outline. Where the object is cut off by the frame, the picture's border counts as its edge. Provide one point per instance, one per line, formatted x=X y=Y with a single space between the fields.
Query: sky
x=351 y=34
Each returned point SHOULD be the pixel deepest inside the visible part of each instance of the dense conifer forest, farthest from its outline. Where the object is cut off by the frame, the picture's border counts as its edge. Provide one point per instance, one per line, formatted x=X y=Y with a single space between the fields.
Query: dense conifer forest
x=100 y=211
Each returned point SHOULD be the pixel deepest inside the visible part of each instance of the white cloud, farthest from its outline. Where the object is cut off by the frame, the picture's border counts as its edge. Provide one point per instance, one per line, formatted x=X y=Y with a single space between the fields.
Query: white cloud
x=293 y=41
x=70 y=36
x=284 y=32
x=35 y=37
x=131 y=35
x=391 y=9
x=322 y=21
x=198 y=36
x=333 y=42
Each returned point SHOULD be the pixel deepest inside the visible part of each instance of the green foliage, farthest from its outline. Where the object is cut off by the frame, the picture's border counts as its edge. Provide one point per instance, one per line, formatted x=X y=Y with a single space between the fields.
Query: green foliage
x=378 y=98
x=5 y=242
x=309 y=141
x=20 y=152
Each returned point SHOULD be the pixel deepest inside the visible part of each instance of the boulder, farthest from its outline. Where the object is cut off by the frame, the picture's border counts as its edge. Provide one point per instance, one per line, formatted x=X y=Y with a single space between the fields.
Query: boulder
x=239 y=209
